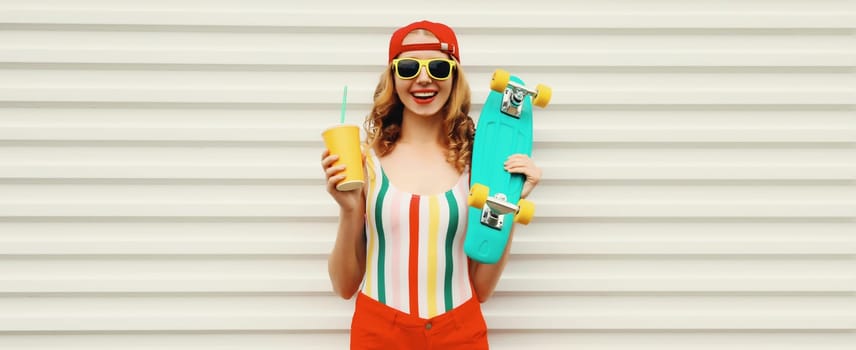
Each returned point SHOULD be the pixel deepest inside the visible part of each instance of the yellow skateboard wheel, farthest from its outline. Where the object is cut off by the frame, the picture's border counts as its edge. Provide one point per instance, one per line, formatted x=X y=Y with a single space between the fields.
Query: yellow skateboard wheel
x=525 y=211
x=545 y=93
x=499 y=80
x=478 y=196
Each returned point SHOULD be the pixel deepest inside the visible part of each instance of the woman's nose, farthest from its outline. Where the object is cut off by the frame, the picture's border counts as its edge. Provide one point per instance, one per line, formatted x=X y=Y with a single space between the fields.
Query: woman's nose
x=423 y=77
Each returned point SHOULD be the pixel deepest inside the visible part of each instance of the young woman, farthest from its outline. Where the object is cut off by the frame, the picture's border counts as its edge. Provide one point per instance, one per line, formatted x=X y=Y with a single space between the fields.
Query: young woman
x=399 y=245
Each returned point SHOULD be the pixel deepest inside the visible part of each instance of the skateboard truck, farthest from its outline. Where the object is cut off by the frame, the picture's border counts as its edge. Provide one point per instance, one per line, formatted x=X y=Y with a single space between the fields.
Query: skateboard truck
x=512 y=98
x=514 y=93
x=493 y=213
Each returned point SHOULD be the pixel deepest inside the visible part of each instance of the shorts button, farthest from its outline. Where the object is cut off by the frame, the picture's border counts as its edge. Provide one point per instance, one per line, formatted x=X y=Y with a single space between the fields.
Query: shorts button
x=428 y=325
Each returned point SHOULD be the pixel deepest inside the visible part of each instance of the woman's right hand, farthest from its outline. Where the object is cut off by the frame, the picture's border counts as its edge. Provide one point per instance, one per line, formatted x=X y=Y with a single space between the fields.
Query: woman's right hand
x=347 y=200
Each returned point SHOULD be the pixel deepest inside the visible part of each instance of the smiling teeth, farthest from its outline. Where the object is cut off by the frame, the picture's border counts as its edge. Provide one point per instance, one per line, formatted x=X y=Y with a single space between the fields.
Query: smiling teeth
x=423 y=94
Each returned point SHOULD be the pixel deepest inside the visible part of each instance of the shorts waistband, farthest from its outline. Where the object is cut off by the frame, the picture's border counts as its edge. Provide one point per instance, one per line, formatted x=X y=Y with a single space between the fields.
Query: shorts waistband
x=455 y=316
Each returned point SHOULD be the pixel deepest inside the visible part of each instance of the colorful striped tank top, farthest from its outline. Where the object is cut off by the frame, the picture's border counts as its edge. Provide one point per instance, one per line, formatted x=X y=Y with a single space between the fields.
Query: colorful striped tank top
x=415 y=259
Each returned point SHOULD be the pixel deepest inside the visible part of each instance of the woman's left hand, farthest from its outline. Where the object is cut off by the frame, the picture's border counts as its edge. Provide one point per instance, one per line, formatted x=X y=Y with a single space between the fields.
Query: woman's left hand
x=522 y=164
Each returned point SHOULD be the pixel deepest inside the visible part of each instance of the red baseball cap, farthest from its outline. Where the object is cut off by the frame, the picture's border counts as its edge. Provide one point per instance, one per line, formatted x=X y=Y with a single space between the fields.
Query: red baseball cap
x=448 y=41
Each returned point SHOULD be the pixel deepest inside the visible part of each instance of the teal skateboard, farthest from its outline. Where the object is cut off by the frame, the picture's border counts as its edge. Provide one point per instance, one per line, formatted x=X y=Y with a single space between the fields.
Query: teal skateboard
x=504 y=128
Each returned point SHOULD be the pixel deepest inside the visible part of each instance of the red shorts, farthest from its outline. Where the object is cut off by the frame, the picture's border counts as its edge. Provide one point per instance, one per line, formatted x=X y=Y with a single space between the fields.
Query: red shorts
x=377 y=326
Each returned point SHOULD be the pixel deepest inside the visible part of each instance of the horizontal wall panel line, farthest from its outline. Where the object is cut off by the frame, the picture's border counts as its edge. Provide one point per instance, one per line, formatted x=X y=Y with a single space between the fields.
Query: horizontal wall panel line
x=187 y=210
x=284 y=135
x=805 y=210
x=607 y=339
x=334 y=219
x=688 y=209
x=619 y=96
x=522 y=245
x=480 y=31
x=476 y=105
x=541 y=256
x=700 y=135
x=573 y=321
x=310 y=59
x=310 y=135
x=699 y=171
x=142 y=171
x=383 y=20
x=511 y=285
x=679 y=321
x=473 y=67
x=701 y=285
x=189 y=284
x=544 y=145
x=538 y=145
x=737 y=334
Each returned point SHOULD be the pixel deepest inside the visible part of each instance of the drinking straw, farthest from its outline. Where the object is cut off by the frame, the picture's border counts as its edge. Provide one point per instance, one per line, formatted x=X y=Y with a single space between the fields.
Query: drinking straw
x=344 y=102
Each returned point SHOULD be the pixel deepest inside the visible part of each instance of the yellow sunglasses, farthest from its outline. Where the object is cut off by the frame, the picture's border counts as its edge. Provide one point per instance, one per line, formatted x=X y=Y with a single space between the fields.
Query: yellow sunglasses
x=409 y=68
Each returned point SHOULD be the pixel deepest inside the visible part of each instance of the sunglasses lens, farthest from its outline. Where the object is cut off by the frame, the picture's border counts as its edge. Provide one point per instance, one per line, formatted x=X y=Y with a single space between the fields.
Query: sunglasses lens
x=407 y=68
x=440 y=69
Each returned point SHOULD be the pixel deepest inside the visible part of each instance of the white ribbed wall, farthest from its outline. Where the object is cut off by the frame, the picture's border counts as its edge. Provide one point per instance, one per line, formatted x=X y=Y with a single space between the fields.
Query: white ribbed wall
x=160 y=185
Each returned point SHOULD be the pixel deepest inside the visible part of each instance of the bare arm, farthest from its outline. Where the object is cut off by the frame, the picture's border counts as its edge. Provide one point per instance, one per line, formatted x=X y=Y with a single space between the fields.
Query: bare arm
x=347 y=261
x=485 y=277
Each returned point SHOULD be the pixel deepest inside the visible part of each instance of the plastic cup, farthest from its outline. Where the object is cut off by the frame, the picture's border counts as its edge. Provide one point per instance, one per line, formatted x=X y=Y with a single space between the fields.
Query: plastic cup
x=344 y=141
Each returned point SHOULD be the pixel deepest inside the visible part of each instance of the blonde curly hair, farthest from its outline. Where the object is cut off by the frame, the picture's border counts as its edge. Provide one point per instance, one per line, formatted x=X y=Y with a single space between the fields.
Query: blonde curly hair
x=383 y=124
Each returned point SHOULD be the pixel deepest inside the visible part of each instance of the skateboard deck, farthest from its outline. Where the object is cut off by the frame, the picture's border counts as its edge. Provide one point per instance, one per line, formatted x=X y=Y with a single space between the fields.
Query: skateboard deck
x=504 y=128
